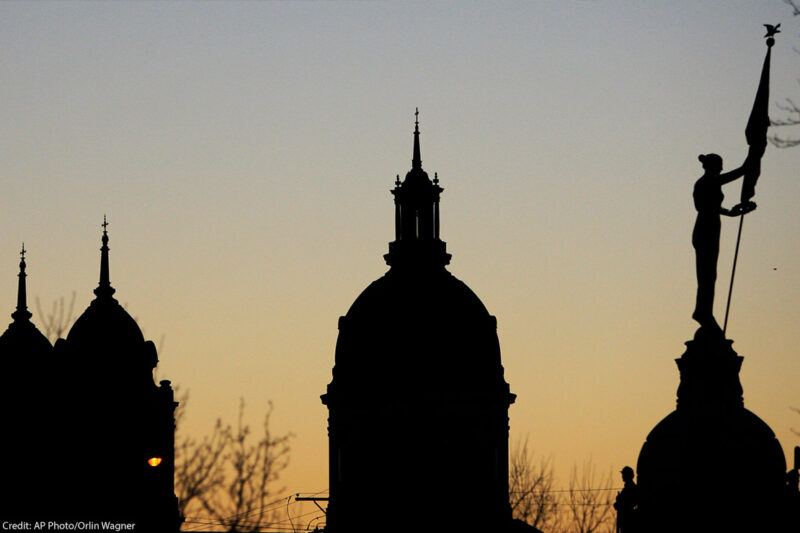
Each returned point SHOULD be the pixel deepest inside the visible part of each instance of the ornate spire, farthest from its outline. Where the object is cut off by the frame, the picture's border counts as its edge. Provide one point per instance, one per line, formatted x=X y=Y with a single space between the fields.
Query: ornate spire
x=416 y=161
x=416 y=202
x=22 y=313
x=104 y=288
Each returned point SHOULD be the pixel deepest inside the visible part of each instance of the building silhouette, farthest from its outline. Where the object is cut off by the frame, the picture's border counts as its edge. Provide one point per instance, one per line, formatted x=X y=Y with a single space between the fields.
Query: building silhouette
x=418 y=404
x=26 y=356
x=101 y=447
x=712 y=465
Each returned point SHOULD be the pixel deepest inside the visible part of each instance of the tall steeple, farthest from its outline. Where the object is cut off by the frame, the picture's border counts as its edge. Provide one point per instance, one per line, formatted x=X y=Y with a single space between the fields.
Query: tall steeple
x=416 y=161
x=104 y=288
x=416 y=202
x=22 y=313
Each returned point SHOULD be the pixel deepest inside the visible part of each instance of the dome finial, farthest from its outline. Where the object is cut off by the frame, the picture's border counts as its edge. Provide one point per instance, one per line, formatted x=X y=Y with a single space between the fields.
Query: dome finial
x=22 y=312
x=104 y=288
x=416 y=162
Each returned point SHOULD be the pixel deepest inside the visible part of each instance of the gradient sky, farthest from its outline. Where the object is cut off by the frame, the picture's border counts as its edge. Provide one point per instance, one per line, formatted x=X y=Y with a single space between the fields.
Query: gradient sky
x=244 y=154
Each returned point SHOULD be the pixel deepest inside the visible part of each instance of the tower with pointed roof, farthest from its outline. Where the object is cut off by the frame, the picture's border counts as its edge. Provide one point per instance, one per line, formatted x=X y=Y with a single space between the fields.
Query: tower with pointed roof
x=418 y=404
x=22 y=343
x=119 y=461
x=27 y=358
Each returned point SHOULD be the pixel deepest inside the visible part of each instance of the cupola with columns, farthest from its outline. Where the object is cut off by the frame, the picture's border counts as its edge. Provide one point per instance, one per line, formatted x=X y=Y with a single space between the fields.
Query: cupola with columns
x=416 y=202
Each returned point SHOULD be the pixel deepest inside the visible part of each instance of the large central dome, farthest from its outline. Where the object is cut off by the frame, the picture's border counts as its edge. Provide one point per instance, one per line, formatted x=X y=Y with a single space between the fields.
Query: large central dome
x=418 y=398
x=413 y=324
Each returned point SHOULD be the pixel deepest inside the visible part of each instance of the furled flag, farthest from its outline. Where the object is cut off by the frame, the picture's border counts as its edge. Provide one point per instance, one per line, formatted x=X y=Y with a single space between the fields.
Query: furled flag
x=756 y=130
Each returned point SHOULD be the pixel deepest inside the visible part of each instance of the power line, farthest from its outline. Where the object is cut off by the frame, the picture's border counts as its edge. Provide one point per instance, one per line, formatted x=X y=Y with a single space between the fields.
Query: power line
x=561 y=490
x=224 y=522
x=234 y=519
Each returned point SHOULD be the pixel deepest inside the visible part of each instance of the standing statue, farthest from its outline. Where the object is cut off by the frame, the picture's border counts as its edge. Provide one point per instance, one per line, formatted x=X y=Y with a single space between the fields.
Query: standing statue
x=627 y=504
x=708 y=201
x=705 y=236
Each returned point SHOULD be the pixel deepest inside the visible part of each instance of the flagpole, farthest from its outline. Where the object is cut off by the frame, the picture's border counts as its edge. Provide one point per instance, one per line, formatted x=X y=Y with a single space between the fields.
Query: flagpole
x=756 y=135
x=733 y=274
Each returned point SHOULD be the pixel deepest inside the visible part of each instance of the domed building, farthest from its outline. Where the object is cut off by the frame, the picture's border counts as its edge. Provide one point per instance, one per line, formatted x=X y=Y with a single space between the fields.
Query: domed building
x=22 y=345
x=27 y=358
x=418 y=404
x=712 y=465
x=107 y=436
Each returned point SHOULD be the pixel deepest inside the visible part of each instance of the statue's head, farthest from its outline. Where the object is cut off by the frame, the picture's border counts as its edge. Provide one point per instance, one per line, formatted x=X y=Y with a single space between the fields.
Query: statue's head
x=627 y=474
x=712 y=163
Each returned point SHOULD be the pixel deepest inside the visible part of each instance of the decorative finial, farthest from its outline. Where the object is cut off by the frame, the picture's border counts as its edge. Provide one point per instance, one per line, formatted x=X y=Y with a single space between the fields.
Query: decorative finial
x=416 y=161
x=436 y=178
x=397 y=180
x=22 y=312
x=771 y=31
x=104 y=288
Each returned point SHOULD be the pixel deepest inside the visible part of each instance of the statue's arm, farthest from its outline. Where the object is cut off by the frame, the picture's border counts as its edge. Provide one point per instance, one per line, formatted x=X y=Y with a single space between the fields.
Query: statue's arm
x=735 y=174
x=738 y=209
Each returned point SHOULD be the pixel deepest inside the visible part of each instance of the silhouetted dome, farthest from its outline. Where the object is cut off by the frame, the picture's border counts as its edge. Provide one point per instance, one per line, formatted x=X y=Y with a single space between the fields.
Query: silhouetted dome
x=105 y=320
x=24 y=340
x=106 y=343
x=740 y=437
x=711 y=462
x=422 y=324
x=418 y=388
x=22 y=344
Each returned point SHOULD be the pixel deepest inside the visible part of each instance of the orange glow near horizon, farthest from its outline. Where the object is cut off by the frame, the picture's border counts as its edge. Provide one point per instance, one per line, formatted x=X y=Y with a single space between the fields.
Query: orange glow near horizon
x=248 y=208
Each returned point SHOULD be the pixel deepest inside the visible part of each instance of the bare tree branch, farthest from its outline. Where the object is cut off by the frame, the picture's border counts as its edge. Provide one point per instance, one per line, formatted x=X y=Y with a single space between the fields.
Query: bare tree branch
x=589 y=500
x=198 y=466
x=793 y=111
x=58 y=320
x=226 y=478
x=530 y=489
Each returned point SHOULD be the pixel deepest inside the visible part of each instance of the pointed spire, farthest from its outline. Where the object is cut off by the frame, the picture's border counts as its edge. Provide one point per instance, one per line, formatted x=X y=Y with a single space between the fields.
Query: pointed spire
x=104 y=288
x=22 y=313
x=416 y=216
x=416 y=162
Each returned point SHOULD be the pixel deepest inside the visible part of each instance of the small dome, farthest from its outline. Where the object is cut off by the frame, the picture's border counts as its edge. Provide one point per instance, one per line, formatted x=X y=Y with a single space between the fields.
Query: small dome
x=23 y=340
x=22 y=345
x=105 y=320
x=106 y=343
x=711 y=462
x=701 y=469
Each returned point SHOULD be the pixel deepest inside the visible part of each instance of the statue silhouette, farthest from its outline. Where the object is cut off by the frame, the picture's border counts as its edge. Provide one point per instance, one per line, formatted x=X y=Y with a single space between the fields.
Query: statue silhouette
x=627 y=503
x=705 y=237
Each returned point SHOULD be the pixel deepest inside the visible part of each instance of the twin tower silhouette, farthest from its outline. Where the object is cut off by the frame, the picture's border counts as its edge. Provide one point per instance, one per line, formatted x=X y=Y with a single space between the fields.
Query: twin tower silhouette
x=417 y=413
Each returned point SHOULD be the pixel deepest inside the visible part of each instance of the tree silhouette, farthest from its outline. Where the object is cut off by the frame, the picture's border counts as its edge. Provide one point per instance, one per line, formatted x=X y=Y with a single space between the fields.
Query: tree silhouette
x=60 y=318
x=226 y=479
x=531 y=489
x=585 y=507
x=792 y=119
x=791 y=109
x=589 y=500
